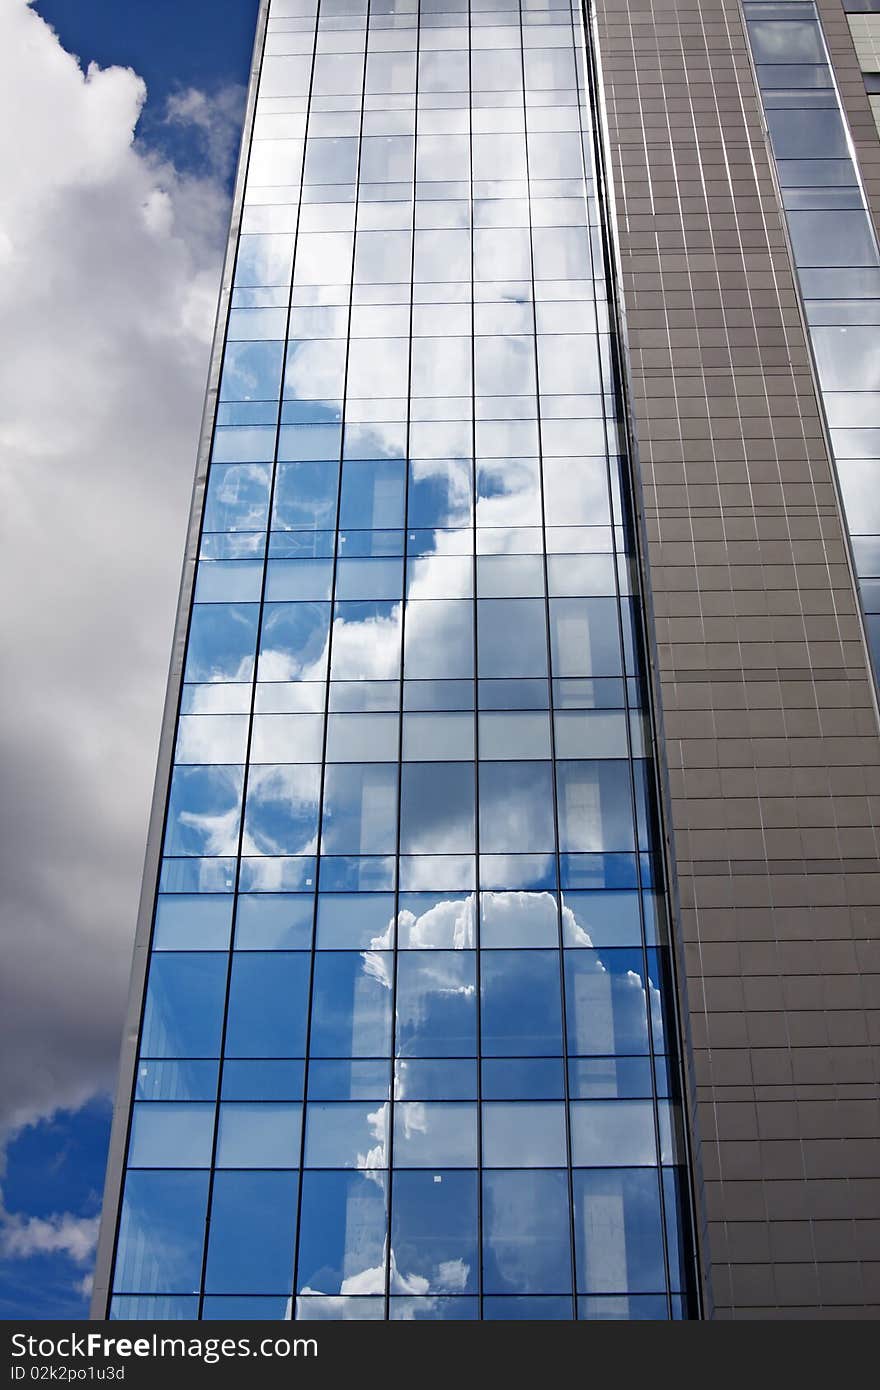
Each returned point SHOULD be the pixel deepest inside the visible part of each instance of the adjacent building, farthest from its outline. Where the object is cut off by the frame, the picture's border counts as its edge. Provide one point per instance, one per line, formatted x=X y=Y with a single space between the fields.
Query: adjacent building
x=508 y=946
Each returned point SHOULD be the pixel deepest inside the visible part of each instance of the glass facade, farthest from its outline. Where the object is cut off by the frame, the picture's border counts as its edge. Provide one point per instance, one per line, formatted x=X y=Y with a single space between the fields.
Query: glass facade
x=838 y=265
x=408 y=1046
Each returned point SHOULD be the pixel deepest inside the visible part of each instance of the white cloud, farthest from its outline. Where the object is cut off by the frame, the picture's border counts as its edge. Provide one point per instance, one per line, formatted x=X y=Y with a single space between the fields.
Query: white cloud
x=217 y=118
x=109 y=266
x=75 y=1236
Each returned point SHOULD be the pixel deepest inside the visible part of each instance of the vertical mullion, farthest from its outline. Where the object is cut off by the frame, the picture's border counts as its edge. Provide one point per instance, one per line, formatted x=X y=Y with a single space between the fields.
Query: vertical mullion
x=400 y=700
x=323 y=776
x=558 y=858
x=627 y=520
x=254 y=682
x=625 y=524
x=478 y=901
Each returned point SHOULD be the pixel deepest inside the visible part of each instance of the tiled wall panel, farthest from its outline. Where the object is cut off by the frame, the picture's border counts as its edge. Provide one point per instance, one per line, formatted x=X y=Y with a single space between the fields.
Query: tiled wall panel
x=771 y=729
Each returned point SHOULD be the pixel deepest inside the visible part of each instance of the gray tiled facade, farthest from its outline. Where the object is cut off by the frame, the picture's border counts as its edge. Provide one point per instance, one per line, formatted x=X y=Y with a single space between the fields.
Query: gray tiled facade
x=771 y=727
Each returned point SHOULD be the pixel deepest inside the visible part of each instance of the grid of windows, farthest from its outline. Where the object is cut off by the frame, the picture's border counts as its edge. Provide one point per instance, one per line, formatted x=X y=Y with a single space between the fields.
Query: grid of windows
x=838 y=265
x=407 y=1048
x=865 y=31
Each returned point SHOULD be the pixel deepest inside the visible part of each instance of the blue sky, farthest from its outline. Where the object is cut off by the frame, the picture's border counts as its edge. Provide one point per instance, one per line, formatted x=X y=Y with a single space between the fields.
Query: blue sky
x=56 y=1165
x=118 y=358
x=173 y=44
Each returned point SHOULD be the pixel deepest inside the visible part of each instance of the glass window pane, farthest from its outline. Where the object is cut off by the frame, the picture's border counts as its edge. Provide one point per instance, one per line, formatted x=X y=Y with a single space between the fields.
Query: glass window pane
x=362 y=737
x=508 y=492
x=806 y=134
x=346 y=1135
x=252 y=1233
x=372 y=494
x=238 y=493
x=618 y=1232
x=351 y=1004
x=585 y=637
x=164 y=1308
x=355 y=920
x=266 y=1079
x=366 y=641
x=435 y=1309
x=518 y=919
x=613 y=1133
x=434 y=1134
x=264 y=260
x=437 y=808
x=512 y=637
x=349 y=1080
x=360 y=809
x=439 y=576
x=595 y=806
x=299 y=580
x=171 y=1136
x=605 y=1002
x=243 y=1308
x=633 y=1308
x=516 y=808
x=523 y=1078
x=523 y=1135
x=185 y=1079
x=435 y=920
x=162 y=1232
x=286 y=738
x=435 y=1079
x=436 y=1013
x=183 y=1015
x=520 y=1010
x=305 y=496
x=440 y=490
x=576 y=493
x=333 y=1308
x=343 y=1233
x=601 y=919
x=212 y=738
x=438 y=736
x=517 y=734
x=369 y=578
x=781 y=40
x=274 y=922
x=281 y=814
x=591 y=734
x=222 y=642
x=192 y=922
x=252 y=370
x=514 y=576
x=568 y=363
x=434 y=1233
x=259 y=1136
x=204 y=810
x=268 y=997
x=830 y=238
x=528 y=1308
x=526 y=1232
x=439 y=639
x=293 y=641
x=846 y=358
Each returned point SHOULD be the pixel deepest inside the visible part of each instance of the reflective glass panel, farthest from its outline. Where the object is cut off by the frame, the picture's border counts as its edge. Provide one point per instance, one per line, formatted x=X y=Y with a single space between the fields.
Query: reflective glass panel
x=408 y=985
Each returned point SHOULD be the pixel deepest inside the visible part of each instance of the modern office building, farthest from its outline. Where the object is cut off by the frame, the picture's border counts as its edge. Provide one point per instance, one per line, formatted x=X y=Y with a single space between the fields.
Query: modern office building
x=509 y=946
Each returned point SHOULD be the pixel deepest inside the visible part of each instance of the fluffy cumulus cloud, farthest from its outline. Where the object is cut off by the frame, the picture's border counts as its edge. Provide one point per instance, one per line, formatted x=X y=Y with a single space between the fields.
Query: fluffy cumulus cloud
x=74 y=1236
x=109 y=265
x=214 y=119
